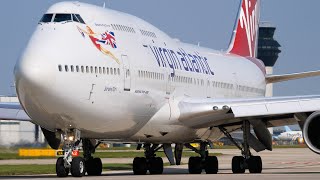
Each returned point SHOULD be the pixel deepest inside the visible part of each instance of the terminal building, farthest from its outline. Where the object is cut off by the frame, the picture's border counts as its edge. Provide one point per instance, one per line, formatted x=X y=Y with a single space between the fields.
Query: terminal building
x=19 y=133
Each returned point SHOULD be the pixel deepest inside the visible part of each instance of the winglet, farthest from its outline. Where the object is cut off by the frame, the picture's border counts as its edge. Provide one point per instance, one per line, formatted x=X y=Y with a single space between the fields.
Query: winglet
x=244 y=41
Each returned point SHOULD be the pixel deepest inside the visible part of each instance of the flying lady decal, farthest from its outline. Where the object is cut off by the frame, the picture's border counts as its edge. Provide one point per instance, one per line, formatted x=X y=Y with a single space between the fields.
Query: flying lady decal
x=101 y=41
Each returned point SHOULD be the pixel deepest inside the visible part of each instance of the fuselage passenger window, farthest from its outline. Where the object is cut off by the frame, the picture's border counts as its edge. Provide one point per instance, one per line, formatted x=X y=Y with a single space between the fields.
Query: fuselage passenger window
x=60 y=68
x=82 y=69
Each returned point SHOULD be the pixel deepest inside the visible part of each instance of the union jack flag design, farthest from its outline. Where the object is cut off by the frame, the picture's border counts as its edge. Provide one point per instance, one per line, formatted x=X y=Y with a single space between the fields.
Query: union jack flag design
x=109 y=39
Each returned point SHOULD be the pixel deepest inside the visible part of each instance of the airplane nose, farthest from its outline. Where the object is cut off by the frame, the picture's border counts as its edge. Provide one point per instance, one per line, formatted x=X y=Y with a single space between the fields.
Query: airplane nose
x=32 y=74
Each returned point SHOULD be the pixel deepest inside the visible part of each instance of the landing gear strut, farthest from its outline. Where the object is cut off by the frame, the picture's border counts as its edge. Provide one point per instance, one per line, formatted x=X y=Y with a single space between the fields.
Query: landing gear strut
x=71 y=162
x=150 y=162
x=206 y=162
x=247 y=160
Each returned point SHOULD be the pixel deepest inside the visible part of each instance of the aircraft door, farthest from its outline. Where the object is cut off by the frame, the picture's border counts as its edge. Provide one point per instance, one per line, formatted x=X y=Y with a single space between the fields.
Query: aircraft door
x=126 y=72
x=235 y=85
x=209 y=88
x=169 y=78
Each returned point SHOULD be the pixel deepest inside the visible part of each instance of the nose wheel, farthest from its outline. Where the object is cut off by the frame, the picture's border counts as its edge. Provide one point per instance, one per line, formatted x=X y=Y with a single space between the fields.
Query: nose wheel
x=61 y=170
x=71 y=162
x=78 y=167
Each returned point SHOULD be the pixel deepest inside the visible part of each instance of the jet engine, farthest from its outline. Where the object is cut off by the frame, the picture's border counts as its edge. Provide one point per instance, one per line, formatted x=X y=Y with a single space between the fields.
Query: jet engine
x=311 y=132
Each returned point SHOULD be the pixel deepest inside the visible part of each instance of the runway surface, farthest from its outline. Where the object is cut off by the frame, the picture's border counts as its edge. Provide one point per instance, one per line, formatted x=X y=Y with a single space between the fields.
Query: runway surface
x=284 y=164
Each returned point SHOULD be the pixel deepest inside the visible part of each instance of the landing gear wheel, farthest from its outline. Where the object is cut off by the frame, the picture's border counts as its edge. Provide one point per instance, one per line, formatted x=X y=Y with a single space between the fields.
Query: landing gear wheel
x=211 y=165
x=140 y=166
x=255 y=164
x=195 y=165
x=94 y=167
x=238 y=165
x=61 y=171
x=155 y=165
x=78 y=167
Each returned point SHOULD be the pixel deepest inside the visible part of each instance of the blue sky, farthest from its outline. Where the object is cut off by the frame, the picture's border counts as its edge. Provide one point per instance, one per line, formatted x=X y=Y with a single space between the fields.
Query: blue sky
x=209 y=22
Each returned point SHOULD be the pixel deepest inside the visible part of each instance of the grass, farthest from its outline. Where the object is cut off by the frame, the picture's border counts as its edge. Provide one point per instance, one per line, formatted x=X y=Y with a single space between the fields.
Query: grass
x=6 y=154
x=11 y=170
x=105 y=154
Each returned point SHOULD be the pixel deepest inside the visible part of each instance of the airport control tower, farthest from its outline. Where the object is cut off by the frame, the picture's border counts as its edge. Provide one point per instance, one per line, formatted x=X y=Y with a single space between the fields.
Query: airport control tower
x=268 y=50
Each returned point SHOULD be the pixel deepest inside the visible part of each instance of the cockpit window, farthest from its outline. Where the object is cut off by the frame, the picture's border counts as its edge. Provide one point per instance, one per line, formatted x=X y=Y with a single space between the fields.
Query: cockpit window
x=46 y=18
x=80 y=19
x=75 y=19
x=62 y=17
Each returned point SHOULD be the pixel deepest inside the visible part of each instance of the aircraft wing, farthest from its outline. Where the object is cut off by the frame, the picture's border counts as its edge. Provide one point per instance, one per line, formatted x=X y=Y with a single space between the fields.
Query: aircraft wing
x=13 y=111
x=275 y=111
x=287 y=77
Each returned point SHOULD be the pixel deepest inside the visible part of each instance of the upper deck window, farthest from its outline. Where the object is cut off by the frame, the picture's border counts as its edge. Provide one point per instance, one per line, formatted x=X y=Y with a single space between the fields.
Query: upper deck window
x=62 y=17
x=46 y=18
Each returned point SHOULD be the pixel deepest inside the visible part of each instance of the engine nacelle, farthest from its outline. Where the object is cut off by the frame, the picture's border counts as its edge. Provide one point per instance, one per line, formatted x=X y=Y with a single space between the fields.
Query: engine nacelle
x=311 y=132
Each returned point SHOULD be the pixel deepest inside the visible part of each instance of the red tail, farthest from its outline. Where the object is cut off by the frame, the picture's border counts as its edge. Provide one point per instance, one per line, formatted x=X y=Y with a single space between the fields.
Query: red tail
x=244 y=40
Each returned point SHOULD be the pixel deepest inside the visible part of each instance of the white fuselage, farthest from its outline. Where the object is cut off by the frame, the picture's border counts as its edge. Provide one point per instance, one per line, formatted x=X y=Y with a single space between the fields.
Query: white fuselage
x=290 y=136
x=116 y=100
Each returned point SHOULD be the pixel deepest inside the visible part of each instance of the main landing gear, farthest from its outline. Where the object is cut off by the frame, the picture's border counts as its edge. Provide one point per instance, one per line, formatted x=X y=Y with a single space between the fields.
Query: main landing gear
x=247 y=160
x=150 y=162
x=72 y=162
x=205 y=162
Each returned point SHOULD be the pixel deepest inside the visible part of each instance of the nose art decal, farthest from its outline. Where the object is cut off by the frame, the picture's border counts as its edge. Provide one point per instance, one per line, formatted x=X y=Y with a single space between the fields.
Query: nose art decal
x=101 y=41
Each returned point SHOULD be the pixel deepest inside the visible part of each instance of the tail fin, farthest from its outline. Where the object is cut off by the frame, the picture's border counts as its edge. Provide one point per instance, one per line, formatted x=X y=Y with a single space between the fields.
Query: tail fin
x=244 y=41
x=287 y=129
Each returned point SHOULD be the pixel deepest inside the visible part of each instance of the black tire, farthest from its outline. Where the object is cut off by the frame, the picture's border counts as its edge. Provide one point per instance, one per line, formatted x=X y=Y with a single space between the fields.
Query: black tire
x=211 y=165
x=255 y=164
x=90 y=167
x=61 y=171
x=94 y=167
x=78 y=167
x=140 y=166
x=238 y=165
x=195 y=165
x=98 y=165
x=155 y=165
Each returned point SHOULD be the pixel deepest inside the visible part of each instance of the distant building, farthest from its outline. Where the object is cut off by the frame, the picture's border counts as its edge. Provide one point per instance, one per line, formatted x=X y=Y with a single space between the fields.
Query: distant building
x=268 y=50
x=15 y=133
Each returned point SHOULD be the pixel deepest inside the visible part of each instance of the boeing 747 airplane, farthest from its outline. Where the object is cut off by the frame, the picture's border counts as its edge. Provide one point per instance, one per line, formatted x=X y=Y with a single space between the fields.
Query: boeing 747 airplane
x=290 y=135
x=91 y=75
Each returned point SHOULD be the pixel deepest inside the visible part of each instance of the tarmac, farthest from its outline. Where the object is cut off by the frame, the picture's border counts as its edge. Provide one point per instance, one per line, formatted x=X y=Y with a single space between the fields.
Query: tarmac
x=284 y=164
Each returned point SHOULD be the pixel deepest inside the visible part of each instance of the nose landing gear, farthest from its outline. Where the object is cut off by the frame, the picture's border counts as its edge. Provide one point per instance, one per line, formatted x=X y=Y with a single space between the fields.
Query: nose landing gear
x=71 y=162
